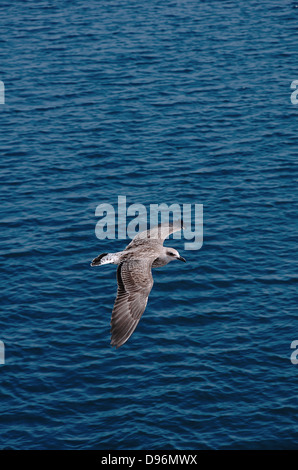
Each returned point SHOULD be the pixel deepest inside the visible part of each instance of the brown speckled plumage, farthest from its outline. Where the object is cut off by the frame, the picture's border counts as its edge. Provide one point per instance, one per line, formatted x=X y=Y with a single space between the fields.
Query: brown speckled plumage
x=134 y=277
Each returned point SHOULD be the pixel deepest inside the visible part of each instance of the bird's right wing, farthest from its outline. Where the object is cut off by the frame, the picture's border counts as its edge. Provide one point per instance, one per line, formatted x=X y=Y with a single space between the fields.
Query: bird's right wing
x=135 y=282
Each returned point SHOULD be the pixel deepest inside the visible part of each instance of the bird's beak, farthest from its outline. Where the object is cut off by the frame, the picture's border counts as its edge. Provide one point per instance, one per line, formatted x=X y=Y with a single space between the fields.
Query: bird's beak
x=182 y=259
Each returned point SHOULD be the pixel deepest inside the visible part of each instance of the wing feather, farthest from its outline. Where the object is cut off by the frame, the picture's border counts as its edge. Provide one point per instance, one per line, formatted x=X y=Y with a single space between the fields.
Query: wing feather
x=158 y=233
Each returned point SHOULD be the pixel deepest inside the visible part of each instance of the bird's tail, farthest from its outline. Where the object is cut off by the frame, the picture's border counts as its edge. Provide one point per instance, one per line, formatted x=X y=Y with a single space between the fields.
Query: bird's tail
x=105 y=258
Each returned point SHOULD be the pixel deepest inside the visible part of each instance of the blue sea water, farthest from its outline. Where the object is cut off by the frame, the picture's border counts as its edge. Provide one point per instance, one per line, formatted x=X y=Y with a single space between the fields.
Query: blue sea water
x=176 y=102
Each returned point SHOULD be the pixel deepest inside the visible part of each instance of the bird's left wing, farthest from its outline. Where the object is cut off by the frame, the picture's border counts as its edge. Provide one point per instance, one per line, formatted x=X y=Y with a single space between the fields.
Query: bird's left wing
x=135 y=282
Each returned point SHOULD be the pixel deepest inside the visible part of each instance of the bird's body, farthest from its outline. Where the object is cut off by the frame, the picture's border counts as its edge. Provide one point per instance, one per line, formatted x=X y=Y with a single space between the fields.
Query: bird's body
x=134 y=277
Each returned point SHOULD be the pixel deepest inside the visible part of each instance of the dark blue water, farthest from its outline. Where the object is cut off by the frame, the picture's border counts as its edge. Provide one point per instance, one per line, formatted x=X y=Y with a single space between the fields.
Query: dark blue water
x=173 y=101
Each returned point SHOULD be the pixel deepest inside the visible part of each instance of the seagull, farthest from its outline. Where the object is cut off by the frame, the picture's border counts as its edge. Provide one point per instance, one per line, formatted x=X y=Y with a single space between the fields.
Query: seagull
x=134 y=276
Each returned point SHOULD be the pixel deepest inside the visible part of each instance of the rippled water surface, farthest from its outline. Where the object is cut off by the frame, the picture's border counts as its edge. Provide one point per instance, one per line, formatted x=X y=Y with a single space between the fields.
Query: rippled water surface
x=172 y=101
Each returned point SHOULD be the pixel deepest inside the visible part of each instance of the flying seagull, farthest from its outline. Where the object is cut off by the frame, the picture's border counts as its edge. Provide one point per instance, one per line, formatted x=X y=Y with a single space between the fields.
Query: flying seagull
x=134 y=276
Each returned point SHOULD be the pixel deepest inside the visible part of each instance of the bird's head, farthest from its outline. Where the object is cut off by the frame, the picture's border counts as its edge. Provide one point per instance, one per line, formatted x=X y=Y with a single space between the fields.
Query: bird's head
x=172 y=254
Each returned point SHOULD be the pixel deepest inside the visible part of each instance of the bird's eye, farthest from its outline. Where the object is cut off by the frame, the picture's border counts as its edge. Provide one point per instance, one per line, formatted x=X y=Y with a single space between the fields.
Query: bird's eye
x=171 y=254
